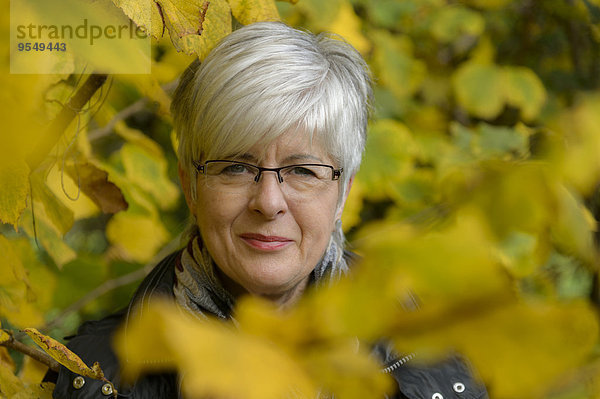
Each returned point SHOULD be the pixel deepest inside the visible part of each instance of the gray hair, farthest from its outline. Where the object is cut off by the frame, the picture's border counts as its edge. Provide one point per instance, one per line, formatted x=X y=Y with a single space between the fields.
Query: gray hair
x=264 y=80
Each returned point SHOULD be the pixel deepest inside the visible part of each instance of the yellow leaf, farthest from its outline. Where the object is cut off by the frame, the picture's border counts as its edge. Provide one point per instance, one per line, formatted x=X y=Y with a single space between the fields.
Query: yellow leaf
x=573 y=229
x=351 y=215
x=65 y=189
x=519 y=350
x=456 y=264
x=14 y=175
x=579 y=126
x=196 y=26
x=4 y=336
x=139 y=236
x=32 y=371
x=348 y=371
x=10 y=385
x=348 y=25
x=60 y=215
x=143 y=14
x=250 y=11
x=64 y=356
x=240 y=365
x=16 y=302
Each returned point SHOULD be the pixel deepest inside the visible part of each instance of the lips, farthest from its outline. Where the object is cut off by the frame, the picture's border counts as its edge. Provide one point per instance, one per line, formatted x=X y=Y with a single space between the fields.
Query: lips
x=265 y=243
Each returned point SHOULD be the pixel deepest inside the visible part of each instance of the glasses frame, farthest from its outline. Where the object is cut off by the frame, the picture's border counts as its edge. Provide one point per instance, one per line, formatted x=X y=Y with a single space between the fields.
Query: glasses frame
x=201 y=167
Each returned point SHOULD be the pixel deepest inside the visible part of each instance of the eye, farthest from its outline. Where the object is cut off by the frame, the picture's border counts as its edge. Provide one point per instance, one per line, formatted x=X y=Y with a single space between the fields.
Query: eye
x=235 y=169
x=302 y=171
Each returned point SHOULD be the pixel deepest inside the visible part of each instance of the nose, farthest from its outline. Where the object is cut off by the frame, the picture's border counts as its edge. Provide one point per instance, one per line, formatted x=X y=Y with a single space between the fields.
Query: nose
x=267 y=197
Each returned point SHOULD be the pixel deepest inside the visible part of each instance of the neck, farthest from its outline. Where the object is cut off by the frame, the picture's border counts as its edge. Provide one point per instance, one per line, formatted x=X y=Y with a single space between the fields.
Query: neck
x=283 y=300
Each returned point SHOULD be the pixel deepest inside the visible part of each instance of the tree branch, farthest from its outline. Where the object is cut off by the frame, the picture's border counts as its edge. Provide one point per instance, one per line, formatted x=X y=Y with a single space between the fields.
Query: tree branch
x=64 y=118
x=121 y=115
x=36 y=354
x=126 y=112
x=110 y=285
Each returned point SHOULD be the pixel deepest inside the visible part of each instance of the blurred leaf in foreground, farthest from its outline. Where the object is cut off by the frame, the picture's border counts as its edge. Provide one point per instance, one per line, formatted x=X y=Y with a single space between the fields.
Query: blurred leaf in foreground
x=241 y=365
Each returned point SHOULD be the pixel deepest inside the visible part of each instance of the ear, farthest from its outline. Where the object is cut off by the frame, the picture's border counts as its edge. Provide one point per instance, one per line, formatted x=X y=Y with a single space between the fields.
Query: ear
x=340 y=210
x=184 y=178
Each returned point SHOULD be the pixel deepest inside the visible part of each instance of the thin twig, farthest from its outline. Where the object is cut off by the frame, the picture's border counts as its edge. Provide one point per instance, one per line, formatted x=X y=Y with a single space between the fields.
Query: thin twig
x=110 y=285
x=36 y=354
x=125 y=113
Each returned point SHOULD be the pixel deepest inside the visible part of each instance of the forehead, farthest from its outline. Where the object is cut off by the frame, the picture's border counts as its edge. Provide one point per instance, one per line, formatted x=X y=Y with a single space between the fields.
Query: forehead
x=292 y=146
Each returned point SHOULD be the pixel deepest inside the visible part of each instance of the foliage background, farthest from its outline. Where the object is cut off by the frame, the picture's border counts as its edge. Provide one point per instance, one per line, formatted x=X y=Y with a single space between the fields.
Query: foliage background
x=479 y=192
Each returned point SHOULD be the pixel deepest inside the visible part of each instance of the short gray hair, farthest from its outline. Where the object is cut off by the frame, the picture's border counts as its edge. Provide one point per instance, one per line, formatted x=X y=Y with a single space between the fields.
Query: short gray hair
x=266 y=79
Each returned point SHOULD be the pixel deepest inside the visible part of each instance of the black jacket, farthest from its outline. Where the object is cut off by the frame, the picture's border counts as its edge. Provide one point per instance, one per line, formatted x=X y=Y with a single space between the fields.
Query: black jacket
x=449 y=379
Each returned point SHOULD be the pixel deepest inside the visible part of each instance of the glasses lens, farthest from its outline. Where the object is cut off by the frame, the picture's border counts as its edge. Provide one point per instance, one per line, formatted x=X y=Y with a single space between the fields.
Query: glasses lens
x=229 y=175
x=306 y=178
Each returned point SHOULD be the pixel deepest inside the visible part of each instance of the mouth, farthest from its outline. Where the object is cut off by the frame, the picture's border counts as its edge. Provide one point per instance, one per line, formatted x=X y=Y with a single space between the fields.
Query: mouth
x=265 y=243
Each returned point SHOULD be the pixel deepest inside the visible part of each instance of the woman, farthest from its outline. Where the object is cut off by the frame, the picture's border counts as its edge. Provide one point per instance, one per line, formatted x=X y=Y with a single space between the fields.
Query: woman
x=271 y=129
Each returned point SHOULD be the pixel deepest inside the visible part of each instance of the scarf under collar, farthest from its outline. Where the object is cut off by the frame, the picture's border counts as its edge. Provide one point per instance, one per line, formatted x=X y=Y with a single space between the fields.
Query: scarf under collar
x=199 y=291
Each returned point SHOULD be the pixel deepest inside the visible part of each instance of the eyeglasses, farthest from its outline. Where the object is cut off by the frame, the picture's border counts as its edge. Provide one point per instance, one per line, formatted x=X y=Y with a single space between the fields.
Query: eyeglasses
x=233 y=176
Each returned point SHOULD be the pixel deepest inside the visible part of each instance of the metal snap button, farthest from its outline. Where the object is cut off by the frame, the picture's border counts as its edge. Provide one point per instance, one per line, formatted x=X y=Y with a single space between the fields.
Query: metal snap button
x=78 y=382
x=107 y=389
x=458 y=387
x=437 y=395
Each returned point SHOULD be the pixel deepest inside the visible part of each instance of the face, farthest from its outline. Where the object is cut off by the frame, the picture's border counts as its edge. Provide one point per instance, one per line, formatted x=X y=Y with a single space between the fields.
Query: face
x=265 y=242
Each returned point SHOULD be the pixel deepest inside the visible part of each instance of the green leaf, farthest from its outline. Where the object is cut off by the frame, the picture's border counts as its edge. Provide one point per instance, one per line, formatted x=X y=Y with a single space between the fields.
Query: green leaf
x=518 y=253
x=78 y=278
x=450 y=23
x=523 y=89
x=48 y=237
x=388 y=158
x=490 y=142
x=150 y=173
x=479 y=89
x=395 y=65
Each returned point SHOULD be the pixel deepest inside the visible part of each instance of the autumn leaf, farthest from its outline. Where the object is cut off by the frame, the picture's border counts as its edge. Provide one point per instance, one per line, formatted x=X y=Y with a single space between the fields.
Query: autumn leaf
x=4 y=336
x=250 y=11
x=15 y=187
x=249 y=367
x=94 y=182
x=64 y=356
x=138 y=236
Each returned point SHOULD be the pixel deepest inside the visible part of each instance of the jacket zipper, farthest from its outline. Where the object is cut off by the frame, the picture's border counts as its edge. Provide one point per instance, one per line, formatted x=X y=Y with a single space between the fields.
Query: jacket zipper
x=398 y=363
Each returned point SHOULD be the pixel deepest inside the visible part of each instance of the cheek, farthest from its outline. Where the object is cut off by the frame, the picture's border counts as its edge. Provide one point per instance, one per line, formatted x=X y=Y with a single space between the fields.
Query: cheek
x=318 y=217
x=214 y=213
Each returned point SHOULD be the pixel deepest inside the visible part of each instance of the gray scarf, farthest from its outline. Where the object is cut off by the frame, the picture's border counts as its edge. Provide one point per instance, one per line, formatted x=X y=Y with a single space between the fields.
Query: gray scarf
x=198 y=290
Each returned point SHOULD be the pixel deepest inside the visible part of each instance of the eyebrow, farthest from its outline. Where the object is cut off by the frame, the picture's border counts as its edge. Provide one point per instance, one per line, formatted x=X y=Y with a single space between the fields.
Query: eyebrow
x=247 y=157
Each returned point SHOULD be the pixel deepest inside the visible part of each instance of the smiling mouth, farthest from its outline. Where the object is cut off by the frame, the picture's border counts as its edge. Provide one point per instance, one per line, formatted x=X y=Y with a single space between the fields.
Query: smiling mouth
x=265 y=243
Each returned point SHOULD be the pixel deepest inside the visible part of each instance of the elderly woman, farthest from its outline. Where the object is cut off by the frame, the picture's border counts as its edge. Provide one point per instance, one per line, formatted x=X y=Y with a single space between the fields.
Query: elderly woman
x=271 y=129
